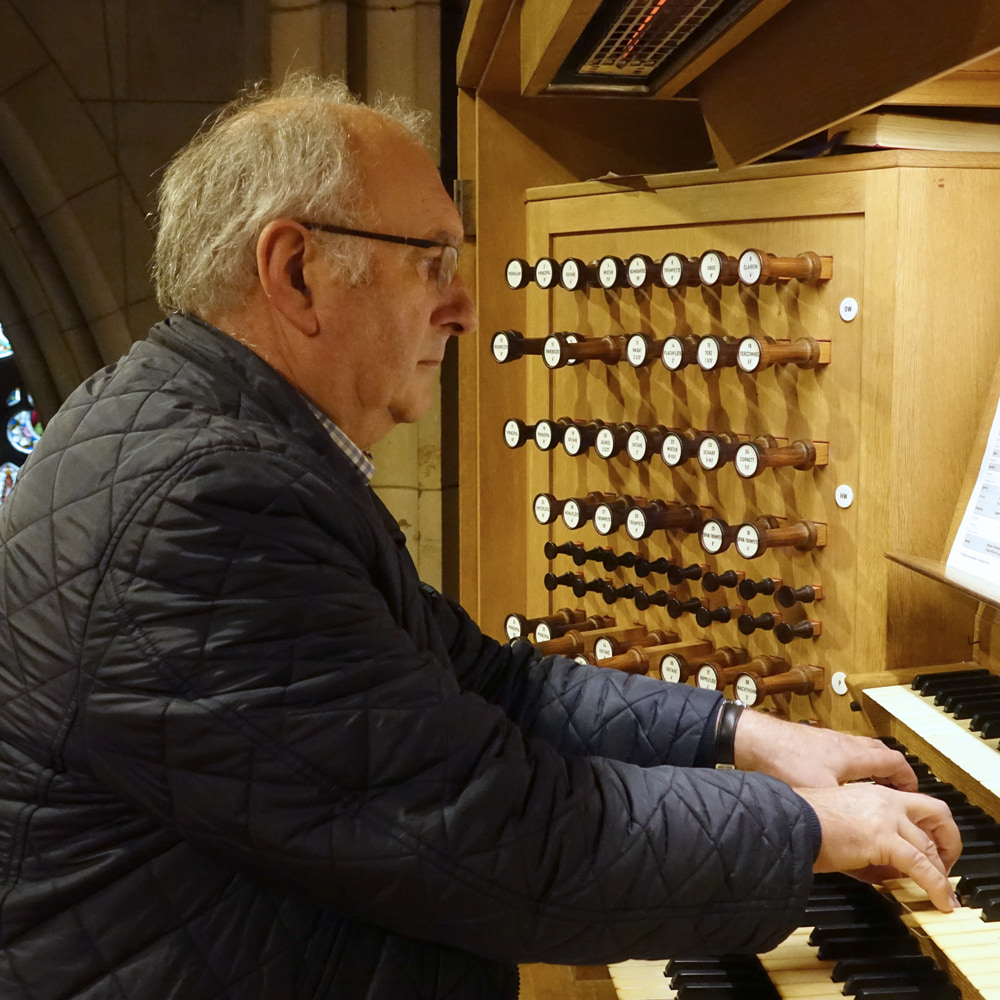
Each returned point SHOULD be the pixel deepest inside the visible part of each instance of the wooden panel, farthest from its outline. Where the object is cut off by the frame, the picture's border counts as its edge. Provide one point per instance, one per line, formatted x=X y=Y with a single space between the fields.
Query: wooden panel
x=788 y=403
x=743 y=28
x=873 y=403
x=942 y=374
x=810 y=67
x=559 y=982
x=549 y=29
x=977 y=85
x=483 y=25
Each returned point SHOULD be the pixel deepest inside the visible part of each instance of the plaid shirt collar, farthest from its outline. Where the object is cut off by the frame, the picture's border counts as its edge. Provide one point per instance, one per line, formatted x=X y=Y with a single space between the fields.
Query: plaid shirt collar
x=361 y=460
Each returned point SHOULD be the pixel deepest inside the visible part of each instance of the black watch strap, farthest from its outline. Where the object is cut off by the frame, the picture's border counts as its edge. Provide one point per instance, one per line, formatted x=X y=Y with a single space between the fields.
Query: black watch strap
x=725 y=735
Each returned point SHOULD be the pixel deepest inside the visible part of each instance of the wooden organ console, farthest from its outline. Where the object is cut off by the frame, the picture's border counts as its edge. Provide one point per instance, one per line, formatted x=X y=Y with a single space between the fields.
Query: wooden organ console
x=702 y=408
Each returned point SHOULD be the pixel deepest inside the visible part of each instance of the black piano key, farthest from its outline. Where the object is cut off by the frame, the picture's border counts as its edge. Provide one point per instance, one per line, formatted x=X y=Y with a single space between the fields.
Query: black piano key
x=984 y=892
x=733 y=963
x=732 y=977
x=970 y=817
x=971 y=850
x=903 y=976
x=949 y=682
x=870 y=928
x=974 y=834
x=987 y=693
x=946 y=793
x=967 y=884
x=990 y=711
x=836 y=948
x=977 y=864
x=979 y=721
x=947 y=693
x=945 y=699
x=860 y=964
x=927 y=683
x=823 y=915
x=741 y=991
x=991 y=909
x=909 y=992
x=967 y=706
x=718 y=977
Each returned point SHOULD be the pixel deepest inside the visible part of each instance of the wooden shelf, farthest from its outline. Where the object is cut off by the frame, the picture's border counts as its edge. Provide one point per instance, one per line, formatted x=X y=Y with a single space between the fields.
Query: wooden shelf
x=965 y=583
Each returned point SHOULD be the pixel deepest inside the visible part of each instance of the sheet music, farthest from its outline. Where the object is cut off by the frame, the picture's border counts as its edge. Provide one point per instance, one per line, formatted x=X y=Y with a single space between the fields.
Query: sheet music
x=976 y=549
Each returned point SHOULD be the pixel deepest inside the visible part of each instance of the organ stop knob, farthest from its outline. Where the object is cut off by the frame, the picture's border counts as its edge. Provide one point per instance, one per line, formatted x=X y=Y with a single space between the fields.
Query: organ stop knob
x=758 y=267
x=561 y=349
x=754 y=354
x=717 y=352
x=764 y=452
x=546 y=272
x=679 y=352
x=680 y=446
x=519 y=273
x=516 y=625
x=640 y=270
x=715 y=676
x=753 y=688
x=545 y=631
x=717 y=268
x=753 y=540
x=575 y=274
x=678 y=271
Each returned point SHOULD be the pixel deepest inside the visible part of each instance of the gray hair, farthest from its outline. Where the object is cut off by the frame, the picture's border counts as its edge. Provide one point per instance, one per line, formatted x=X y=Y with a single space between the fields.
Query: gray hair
x=267 y=155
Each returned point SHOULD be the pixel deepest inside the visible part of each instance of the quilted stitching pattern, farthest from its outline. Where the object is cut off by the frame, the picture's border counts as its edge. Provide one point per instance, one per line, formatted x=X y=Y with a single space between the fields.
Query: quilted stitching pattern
x=244 y=753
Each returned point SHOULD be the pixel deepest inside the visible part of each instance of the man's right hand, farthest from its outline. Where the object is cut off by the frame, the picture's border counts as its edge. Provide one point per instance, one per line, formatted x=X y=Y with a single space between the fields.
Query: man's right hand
x=874 y=833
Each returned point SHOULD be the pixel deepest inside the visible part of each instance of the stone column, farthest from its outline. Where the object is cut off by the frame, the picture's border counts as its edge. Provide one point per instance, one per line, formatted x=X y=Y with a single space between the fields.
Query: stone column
x=381 y=47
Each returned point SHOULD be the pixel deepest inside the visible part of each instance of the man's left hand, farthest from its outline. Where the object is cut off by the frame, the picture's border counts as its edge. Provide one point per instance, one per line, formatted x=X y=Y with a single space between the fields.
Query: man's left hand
x=809 y=756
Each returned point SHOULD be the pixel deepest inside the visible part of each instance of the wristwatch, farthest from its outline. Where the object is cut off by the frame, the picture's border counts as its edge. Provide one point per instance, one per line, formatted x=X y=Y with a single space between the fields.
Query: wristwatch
x=725 y=735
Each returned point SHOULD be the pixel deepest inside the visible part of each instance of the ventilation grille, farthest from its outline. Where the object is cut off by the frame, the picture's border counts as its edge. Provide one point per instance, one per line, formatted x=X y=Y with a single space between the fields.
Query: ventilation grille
x=636 y=45
x=646 y=33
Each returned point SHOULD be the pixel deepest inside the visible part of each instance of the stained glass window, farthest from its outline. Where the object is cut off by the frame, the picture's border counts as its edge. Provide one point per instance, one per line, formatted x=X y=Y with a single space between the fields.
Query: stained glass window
x=8 y=473
x=21 y=431
x=20 y=420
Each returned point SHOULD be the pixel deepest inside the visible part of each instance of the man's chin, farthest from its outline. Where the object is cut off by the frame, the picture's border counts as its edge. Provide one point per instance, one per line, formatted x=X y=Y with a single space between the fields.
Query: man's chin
x=411 y=411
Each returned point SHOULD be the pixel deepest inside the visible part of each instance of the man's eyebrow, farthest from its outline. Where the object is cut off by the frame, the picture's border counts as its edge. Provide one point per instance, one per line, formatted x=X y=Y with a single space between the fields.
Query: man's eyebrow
x=448 y=236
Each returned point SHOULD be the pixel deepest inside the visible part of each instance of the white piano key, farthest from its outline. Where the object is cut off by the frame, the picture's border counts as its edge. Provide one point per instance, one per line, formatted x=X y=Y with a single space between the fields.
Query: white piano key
x=974 y=755
x=641 y=979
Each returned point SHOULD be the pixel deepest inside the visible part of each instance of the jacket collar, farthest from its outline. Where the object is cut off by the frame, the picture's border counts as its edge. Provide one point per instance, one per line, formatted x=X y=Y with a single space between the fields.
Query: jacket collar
x=248 y=373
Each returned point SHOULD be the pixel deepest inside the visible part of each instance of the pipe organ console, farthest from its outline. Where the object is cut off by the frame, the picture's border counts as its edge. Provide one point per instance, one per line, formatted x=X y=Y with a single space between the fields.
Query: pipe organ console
x=692 y=405
x=711 y=403
x=757 y=441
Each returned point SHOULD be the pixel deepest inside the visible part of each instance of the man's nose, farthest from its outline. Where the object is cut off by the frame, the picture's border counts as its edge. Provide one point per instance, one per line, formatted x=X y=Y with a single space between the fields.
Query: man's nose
x=459 y=312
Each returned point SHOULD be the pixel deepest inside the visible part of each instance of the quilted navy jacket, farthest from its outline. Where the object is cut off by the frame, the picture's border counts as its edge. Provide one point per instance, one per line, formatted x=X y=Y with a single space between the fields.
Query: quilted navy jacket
x=244 y=753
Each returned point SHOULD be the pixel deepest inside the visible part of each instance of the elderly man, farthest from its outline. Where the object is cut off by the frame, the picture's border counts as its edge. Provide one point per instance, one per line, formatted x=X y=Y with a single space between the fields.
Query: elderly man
x=245 y=753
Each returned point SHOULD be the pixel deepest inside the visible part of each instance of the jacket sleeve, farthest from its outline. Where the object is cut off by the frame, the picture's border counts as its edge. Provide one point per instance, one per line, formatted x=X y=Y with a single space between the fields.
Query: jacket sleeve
x=580 y=708
x=249 y=687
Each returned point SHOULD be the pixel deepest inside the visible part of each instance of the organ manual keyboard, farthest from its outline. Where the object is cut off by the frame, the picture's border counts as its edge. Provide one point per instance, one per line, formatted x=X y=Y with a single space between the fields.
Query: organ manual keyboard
x=858 y=941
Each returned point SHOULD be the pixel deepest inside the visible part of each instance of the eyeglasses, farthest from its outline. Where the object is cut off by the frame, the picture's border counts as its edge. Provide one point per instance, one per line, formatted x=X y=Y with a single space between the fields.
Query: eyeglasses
x=443 y=268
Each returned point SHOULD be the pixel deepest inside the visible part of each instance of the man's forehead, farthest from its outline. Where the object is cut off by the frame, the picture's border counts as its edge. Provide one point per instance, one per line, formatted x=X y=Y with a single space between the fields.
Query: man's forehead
x=403 y=186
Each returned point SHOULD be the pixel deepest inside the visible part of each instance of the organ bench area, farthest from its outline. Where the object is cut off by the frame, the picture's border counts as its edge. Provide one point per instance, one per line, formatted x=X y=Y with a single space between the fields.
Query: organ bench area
x=723 y=401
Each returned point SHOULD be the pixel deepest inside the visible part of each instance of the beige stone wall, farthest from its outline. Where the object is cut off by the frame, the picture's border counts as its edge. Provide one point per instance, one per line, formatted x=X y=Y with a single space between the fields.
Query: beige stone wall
x=387 y=47
x=95 y=96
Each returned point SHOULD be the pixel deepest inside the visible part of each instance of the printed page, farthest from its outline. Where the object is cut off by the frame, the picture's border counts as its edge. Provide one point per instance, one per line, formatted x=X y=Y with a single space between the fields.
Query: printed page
x=976 y=549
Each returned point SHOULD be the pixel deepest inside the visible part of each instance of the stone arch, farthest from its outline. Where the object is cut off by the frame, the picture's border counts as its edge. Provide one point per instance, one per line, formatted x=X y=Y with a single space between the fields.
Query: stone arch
x=94 y=99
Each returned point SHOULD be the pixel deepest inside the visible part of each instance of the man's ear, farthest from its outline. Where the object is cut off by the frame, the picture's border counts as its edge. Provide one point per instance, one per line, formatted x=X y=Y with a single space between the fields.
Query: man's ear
x=283 y=248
